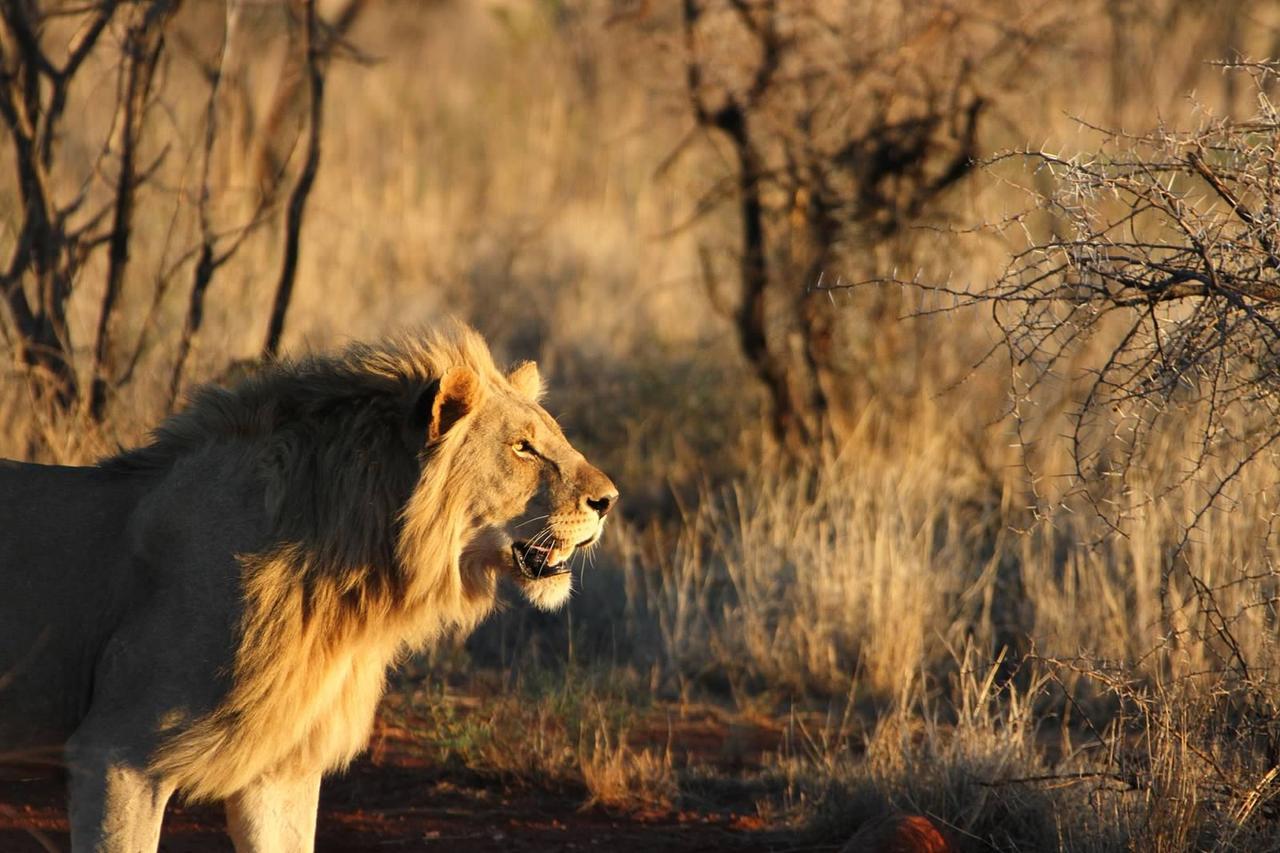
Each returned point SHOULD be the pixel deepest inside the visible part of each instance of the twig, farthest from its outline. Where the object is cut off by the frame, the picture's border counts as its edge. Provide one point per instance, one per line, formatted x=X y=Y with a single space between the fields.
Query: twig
x=298 y=198
x=206 y=263
x=142 y=50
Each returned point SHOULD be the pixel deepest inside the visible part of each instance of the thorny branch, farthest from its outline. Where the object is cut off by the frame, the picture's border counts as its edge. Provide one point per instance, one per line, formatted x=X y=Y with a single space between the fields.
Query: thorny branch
x=1161 y=262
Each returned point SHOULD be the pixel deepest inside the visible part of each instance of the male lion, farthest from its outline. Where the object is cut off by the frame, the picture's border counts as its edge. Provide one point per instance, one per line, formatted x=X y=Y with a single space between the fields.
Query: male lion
x=214 y=613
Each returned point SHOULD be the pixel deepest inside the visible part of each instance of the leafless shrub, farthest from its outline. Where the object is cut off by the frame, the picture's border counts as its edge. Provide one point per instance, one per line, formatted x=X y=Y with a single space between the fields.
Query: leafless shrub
x=45 y=49
x=1163 y=251
x=845 y=123
x=1166 y=255
x=1149 y=288
x=1169 y=237
x=54 y=237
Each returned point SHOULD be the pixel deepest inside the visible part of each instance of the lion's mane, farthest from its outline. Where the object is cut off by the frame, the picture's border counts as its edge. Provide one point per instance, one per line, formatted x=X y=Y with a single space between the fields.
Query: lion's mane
x=366 y=549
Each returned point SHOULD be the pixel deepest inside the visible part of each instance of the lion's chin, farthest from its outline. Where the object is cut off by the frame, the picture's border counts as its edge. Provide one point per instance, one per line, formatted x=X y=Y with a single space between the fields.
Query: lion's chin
x=548 y=593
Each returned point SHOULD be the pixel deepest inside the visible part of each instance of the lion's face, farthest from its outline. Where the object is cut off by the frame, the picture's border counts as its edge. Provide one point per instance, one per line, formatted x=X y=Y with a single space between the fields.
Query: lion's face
x=524 y=470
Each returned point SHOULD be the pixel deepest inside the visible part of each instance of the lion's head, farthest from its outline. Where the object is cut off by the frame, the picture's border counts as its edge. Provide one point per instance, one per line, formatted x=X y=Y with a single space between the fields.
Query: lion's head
x=518 y=467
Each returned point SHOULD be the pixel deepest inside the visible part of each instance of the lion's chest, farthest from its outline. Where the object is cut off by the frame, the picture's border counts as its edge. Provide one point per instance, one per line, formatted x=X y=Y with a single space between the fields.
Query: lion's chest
x=334 y=717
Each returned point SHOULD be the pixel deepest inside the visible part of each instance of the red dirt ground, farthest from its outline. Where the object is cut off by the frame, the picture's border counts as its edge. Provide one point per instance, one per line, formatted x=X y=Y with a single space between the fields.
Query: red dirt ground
x=399 y=804
x=387 y=808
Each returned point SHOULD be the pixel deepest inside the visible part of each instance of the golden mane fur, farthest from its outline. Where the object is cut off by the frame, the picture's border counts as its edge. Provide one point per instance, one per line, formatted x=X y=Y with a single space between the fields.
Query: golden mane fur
x=363 y=563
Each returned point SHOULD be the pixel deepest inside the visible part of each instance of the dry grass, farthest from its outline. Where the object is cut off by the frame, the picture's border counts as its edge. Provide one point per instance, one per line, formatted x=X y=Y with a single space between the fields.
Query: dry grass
x=868 y=567
x=968 y=642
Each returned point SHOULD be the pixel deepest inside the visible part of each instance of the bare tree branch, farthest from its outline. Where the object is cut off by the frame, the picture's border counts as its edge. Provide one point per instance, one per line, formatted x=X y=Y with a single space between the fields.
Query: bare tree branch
x=298 y=198
x=207 y=262
x=143 y=45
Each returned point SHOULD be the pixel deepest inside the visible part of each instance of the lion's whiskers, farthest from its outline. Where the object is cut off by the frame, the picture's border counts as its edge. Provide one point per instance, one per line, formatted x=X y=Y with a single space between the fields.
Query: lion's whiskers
x=538 y=538
x=543 y=539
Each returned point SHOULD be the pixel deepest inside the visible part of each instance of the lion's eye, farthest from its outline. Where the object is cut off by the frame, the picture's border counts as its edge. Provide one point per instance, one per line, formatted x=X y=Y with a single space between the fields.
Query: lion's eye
x=523 y=448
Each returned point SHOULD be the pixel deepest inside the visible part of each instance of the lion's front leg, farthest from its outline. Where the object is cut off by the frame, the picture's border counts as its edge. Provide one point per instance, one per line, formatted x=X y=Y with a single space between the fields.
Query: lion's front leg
x=276 y=814
x=116 y=806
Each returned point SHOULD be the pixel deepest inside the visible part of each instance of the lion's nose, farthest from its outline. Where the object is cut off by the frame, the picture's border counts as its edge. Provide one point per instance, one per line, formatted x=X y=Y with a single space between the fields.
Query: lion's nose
x=603 y=503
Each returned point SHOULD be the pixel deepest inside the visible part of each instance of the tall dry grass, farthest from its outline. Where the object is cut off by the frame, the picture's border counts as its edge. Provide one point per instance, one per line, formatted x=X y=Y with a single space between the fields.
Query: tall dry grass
x=867 y=567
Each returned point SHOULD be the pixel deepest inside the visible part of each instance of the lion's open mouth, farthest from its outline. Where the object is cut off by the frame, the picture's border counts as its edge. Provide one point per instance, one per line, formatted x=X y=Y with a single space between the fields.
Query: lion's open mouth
x=534 y=561
x=547 y=558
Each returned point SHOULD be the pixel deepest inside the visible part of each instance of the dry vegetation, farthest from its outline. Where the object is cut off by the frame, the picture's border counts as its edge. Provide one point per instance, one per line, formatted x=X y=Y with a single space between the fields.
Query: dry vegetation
x=1018 y=576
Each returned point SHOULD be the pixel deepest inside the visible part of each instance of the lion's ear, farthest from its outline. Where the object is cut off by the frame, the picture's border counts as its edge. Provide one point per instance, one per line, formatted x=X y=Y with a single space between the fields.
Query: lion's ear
x=446 y=401
x=526 y=379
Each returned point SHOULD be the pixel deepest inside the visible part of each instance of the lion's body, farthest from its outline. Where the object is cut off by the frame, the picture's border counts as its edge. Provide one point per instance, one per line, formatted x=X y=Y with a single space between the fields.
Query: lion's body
x=215 y=613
